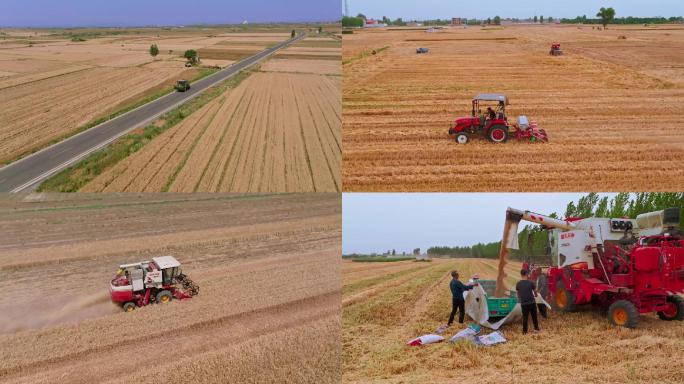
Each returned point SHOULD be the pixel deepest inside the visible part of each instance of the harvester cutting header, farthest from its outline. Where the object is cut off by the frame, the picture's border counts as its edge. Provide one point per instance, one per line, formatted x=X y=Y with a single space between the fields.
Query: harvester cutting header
x=629 y=266
x=493 y=123
x=157 y=281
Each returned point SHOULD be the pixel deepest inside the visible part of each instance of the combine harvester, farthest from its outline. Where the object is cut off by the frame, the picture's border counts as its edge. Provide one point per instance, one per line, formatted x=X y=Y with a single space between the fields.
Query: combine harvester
x=157 y=281
x=495 y=128
x=627 y=266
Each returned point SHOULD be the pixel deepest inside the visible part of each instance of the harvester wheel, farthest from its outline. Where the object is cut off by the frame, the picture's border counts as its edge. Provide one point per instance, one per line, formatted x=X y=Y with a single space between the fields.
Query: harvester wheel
x=676 y=310
x=563 y=300
x=624 y=314
x=164 y=297
x=498 y=134
x=129 y=307
x=462 y=138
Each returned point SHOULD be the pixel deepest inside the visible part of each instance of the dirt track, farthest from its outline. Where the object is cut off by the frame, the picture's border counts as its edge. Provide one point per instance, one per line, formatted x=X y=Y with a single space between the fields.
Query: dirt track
x=266 y=266
x=611 y=111
x=387 y=304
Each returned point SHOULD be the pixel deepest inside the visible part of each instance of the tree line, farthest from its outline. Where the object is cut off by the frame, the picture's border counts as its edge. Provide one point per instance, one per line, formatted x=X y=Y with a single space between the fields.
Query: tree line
x=533 y=240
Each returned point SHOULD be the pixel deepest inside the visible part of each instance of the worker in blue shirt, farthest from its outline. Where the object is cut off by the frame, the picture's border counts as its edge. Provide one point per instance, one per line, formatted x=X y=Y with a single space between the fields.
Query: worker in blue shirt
x=457 y=301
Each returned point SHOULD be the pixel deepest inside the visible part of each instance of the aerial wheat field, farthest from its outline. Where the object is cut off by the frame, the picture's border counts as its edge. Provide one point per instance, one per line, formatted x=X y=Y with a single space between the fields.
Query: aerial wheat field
x=54 y=83
x=267 y=310
x=610 y=110
x=387 y=304
x=278 y=130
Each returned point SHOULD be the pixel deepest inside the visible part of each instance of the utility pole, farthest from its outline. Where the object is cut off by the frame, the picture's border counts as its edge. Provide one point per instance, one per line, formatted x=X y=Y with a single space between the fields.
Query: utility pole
x=346 y=8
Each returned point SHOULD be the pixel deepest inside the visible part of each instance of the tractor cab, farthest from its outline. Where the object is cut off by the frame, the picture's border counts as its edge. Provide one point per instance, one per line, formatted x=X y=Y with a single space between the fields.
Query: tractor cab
x=493 y=126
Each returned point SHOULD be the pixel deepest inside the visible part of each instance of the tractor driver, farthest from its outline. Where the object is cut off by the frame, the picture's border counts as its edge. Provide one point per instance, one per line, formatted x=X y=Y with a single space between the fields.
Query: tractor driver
x=490 y=113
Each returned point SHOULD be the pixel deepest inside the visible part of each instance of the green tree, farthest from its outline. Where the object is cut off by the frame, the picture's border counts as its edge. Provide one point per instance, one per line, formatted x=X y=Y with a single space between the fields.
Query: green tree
x=489 y=20
x=535 y=18
x=386 y=20
x=191 y=55
x=497 y=20
x=293 y=34
x=352 y=22
x=618 y=205
x=549 y=19
x=541 y=19
x=606 y=15
x=154 y=50
x=320 y=29
x=362 y=16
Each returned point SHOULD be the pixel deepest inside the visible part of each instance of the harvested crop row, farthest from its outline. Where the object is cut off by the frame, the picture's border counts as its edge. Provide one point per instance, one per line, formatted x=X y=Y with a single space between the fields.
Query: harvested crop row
x=283 y=281
x=599 y=114
x=274 y=132
x=48 y=109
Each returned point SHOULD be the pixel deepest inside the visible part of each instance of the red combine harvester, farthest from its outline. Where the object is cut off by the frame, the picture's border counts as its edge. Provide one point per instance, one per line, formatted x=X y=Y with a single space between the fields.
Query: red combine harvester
x=493 y=124
x=157 y=281
x=555 y=50
x=629 y=266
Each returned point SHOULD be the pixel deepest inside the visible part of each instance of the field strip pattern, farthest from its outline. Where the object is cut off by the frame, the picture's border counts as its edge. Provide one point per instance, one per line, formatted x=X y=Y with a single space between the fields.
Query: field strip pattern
x=274 y=132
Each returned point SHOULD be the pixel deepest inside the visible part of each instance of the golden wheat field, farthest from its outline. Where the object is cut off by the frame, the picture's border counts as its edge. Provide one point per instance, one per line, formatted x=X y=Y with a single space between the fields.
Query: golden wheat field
x=268 y=308
x=52 y=82
x=279 y=130
x=387 y=304
x=611 y=110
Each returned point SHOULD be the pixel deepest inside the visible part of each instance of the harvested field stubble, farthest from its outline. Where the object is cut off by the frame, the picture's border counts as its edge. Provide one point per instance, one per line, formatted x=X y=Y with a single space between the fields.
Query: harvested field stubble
x=274 y=132
x=267 y=267
x=407 y=299
x=598 y=108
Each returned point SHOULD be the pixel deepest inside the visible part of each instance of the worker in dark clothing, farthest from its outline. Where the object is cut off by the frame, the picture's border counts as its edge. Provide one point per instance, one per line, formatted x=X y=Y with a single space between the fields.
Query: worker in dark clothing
x=457 y=301
x=527 y=292
x=491 y=113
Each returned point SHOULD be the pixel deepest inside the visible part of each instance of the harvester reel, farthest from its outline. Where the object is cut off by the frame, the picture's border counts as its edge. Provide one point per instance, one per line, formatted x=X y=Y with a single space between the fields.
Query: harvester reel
x=189 y=286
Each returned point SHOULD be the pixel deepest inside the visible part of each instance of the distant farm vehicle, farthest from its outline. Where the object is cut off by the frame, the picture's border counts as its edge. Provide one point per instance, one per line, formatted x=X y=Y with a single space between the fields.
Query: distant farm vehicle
x=157 y=281
x=188 y=64
x=555 y=50
x=421 y=50
x=624 y=266
x=493 y=124
x=182 y=85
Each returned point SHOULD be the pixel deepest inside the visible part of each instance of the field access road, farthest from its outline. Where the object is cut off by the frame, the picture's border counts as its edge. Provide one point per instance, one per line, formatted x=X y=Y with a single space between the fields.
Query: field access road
x=27 y=173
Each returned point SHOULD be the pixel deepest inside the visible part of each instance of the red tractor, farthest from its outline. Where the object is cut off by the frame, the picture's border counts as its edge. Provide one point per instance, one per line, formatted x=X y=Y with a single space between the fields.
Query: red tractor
x=157 y=281
x=493 y=123
x=627 y=266
x=555 y=50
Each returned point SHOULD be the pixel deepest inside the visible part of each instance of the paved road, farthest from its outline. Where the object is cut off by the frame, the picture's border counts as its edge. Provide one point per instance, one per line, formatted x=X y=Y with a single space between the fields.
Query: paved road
x=26 y=174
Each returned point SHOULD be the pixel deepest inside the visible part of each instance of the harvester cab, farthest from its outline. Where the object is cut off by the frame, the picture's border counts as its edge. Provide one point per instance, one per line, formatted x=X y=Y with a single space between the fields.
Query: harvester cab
x=160 y=280
x=627 y=266
x=492 y=123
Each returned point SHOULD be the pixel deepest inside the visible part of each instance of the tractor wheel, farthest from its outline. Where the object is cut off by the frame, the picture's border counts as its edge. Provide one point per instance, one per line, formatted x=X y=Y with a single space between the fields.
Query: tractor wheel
x=624 y=314
x=676 y=310
x=164 y=297
x=498 y=134
x=462 y=138
x=129 y=307
x=563 y=300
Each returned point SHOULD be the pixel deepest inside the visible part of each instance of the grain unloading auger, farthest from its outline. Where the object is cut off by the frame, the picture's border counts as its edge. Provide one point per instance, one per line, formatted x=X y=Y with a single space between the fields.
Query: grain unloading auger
x=629 y=266
x=493 y=124
x=157 y=281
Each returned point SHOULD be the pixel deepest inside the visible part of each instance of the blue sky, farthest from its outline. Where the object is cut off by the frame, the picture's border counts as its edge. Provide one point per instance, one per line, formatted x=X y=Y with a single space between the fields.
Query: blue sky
x=377 y=222
x=433 y=9
x=69 y=13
